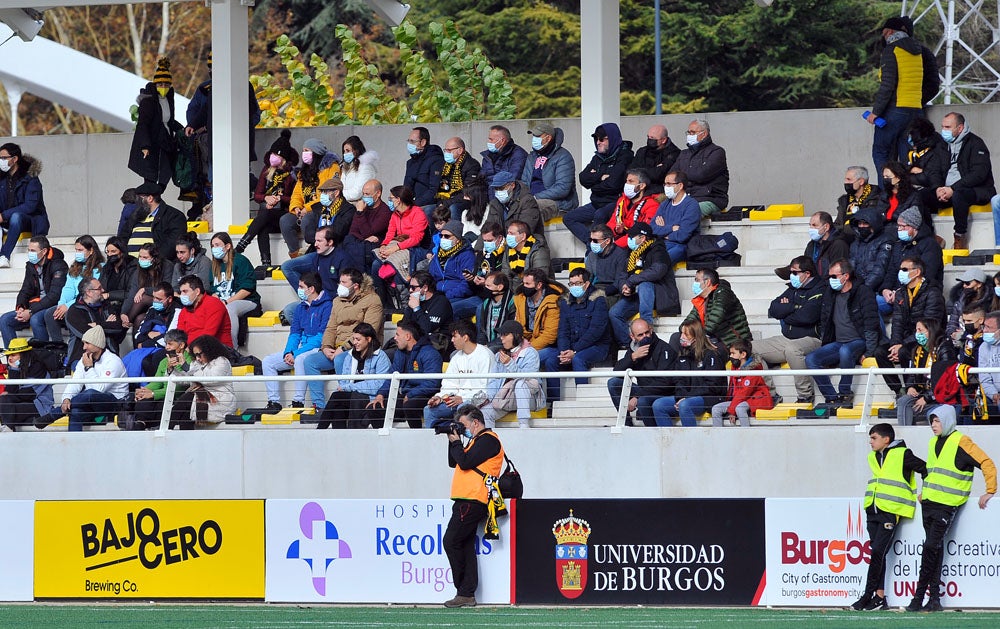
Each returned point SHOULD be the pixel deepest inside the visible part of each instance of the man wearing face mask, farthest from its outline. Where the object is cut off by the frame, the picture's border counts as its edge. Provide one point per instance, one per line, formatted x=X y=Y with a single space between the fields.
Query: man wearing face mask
x=649 y=283
x=488 y=261
x=202 y=313
x=826 y=244
x=584 y=331
x=154 y=148
x=524 y=251
x=656 y=157
x=871 y=249
x=858 y=195
x=678 y=218
x=44 y=278
x=427 y=308
x=154 y=221
x=90 y=310
x=717 y=308
x=512 y=201
x=459 y=169
x=606 y=262
x=495 y=309
x=159 y=318
x=502 y=154
x=423 y=169
x=368 y=227
x=704 y=162
x=21 y=404
x=635 y=205
x=550 y=171
x=914 y=239
x=989 y=357
x=22 y=208
x=605 y=177
x=330 y=210
x=971 y=332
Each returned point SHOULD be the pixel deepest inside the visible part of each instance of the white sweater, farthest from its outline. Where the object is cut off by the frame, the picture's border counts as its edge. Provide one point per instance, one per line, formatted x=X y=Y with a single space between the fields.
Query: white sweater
x=479 y=361
x=355 y=178
x=107 y=366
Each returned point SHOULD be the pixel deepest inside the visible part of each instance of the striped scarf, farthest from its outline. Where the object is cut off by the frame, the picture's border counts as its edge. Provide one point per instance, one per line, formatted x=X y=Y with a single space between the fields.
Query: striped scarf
x=633 y=258
x=444 y=255
x=517 y=257
x=451 y=178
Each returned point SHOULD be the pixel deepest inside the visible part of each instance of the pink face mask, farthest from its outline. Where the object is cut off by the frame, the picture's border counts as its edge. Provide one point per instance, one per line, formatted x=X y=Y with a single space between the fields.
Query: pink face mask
x=307 y=157
x=275 y=160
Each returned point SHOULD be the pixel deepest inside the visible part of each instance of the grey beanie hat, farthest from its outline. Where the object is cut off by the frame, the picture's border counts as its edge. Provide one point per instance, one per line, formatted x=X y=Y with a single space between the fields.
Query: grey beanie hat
x=912 y=217
x=316 y=146
x=455 y=227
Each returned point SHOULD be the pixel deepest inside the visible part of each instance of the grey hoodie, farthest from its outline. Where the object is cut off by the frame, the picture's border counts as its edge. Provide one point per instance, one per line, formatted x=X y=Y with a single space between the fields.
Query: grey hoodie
x=946 y=415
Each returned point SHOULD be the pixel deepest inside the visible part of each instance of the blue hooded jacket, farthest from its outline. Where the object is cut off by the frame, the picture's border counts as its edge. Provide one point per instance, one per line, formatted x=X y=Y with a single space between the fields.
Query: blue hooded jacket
x=309 y=325
x=423 y=358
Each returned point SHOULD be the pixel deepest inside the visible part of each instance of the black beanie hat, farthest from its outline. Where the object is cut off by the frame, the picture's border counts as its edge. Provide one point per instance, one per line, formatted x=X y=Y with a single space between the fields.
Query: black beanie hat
x=283 y=147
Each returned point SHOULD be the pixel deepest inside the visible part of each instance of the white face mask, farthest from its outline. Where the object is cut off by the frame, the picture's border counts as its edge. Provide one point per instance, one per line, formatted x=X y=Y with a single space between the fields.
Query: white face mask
x=5 y=165
x=691 y=139
x=343 y=291
x=670 y=192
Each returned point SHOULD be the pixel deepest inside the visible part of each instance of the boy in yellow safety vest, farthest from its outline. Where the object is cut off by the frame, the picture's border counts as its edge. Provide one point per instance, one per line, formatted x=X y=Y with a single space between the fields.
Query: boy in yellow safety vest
x=951 y=460
x=891 y=495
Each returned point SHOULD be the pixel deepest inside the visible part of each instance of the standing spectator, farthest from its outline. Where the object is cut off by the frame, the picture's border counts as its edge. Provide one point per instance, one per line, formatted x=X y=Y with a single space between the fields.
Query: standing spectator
x=848 y=330
x=87 y=263
x=453 y=259
x=423 y=169
x=704 y=163
x=649 y=282
x=522 y=395
x=657 y=157
x=647 y=352
x=550 y=171
x=21 y=404
x=368 y=227
x=349 y=400
x=460 y=169
x=469 y=358
x=153 y=221
x=584 y=331
x=233 y=281
x=202 y=314
x=717 y=308
x=604 y=177
x=318 y=165
x=524 y=251
x=929 y=346
x=858 y=195
x=427 y=308
x=678 y=218
x=606 y=262
x=693 y=394
x=414 y=354
x=304 y=339
x=44 y=278
x=360 y=166
x=746 y=394
x=22 y=207
x=512 y=201
x=204 y=404
x=502 y=154
x=495 y=309
x=635 y=205
x=154 y=147
x=153 y=271
x=273 y=194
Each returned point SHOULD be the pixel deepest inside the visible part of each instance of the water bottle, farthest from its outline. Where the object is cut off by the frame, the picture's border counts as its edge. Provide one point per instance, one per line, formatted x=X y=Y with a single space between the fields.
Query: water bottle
x=879 y=122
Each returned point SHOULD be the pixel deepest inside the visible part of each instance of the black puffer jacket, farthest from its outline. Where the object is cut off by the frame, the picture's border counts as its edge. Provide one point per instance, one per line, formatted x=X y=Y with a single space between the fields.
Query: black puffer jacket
x=661 y=357
x=870 y=255
x=711 y=389
x=707 y=170
x=799 y=316
x=925 y=247
x=928 y=303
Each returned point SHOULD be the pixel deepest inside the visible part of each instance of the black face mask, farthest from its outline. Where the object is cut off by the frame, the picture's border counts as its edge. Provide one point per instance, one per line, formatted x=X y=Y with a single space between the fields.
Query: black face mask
x=887 y=183
x=529 y=292
x=849 y=188
x=970 y=329
x=652 y=144
x=113 y=259
x=863 y=232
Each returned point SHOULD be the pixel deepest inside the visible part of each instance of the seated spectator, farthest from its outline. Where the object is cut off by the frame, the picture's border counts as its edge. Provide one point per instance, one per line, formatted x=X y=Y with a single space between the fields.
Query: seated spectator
x=88 y=403
x=128 y=208
x=848 y=330
x=635 y=205
x=414 y=354
x=826 y=244
x=356 y=302
x=657 y=157
x=474 y=204
x=318 y=165
x=469 y=358
x=488 y=260
x=995 y=304
x=746 y=394
x=971 y=335
x=304 y=340
x=604 y=177
x=153 y=270
x=423 y=169
x=427 y=308
x=201 y=313
x=350 y=398
x=159 y=318
x=22 y=208
x=511 y=201
x=204 y=404
x=704 y=163
x=191 y=260
x=550 y=171
x=678 y=218
x=406 y=241
x=459 y=170
x=694 y=394
x=871 y=250
x=971 y=290
x=272 y=196
x=798 y=310
x=858 y=194
x=87 y=263
x=359 y=167
x=440 y=216
x=368 y=228
x=915 y=239
x=646 y=352
x=524 y=251
x=331 y=210
x=449 y=265
x=606 y=262
x=88 y=311
x=495 y=309
x=153 y=221
x=233 y=281
x=717 y=308
x=929 y=157
x=117 y=274
x=898 y=193
x=502 y=154
x=649 y=282
x=536 y=309
x=969 y=180
x=522 y=395
x=326 y=261
x=989 y=357
x=584 y=331
x=147 y=408
x=929 y=346
x=21 y=404
x=44 y=278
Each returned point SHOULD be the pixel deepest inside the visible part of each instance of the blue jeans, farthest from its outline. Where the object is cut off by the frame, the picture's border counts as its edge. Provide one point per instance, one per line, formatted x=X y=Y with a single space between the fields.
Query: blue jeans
x=313 y=365
x=666 y=408
x=9 y=326
x=889 y=142
x=644 y=409
x=676 y=251
x=622 y=312
x=435 y=413
x=466 y=308
x=583 y=360
x=841 y=355
x=89 y=404
x=294 y=268
x=579 y=221
x=18 y=222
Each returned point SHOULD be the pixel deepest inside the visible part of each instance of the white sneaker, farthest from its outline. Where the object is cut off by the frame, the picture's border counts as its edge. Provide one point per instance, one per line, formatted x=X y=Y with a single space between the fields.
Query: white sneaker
x=4 y=262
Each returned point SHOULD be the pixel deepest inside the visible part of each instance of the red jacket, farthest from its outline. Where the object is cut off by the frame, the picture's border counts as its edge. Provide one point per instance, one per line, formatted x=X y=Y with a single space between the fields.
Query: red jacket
x=412 y=225
x=208 y=317
x=627 y=214
x=749 y=389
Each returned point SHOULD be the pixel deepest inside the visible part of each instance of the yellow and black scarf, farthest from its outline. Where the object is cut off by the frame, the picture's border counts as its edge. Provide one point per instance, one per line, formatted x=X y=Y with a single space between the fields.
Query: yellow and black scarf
x=327 y=214
x=451 y=178
x=276 y=185
x=517 y=257
x=444 y=255
x=633 y=258
x=855 y=200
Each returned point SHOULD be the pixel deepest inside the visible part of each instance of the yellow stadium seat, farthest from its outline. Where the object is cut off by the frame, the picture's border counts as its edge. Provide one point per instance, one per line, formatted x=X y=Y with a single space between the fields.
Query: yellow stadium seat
x=869 y=362
x=266 y=320
x=24 y=236
x=198 y=227
x=243 y=370
x=397 y=317
x=855 y=412
x=575 y=265
x=278 y=274
x=239 y=229
x=973 y=209
x=680 y=266
x=778 y=211
x=557 y=220
x=948 y=255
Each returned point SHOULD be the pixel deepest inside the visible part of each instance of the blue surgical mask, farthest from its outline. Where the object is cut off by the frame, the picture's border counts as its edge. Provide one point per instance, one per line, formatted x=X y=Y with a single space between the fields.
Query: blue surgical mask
x=795 y=280
x=903 y=277
x=467 y=433
x=145 y=263
x=411 y=148
x=190 y=260
x=576 y=291
x=186 y=300
x=835 y=283
x=301 y=293
x=814 y=234
x=536 y=143
x=33 y=257
x=491 y=147
x=632 y=244
x=218 y=253
x=80 y=256
x=369 y=201
x=392 y=204
x=447 y=243
x=348 y=157
x=421 y=297
x=696 y=288
x=511 y=240
x=989 y=338
x=502 y=195
x=449 y=158
x=947 y=135
x=904 y=235
x=158 y=306
x=596 y=247
x=489 y=246
x=325 y=199
x=996 y=291
x=921 y=338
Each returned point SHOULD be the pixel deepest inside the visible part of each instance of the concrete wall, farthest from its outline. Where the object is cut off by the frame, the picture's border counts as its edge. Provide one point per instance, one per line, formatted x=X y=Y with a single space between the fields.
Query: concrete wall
x=585 y=463
x=774 y=156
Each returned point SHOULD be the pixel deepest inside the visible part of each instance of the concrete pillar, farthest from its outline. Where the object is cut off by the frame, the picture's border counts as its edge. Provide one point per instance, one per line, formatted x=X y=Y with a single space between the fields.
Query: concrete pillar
x=600 y=64
x=230 y=114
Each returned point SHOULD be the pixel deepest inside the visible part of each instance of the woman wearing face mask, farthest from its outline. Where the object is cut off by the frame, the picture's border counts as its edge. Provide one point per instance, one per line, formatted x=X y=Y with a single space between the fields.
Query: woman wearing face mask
x=360 y=166
x=352 y=397
x=405 y=243
x=994 y=284
x=204 y=404
x=117 y=274
x=152 y=271
x=694 y=394
x=474 y=216
x=21 y=206
x=233 y=281
x=273 y=193
x=897 y=193
x=929 y=158
x=21 y=404
x=87 y=263
x=191 y=260
x=318 y=165
x=453 y=257
x=930 y=347
x=154 y=148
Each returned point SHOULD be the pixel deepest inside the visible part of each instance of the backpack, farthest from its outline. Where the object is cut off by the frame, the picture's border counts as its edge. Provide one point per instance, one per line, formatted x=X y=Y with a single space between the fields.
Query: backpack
x=710 y=251
x=52 y=354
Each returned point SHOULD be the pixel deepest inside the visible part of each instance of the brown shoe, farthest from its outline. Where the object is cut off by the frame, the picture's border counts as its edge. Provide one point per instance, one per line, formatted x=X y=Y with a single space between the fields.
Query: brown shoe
x=293 y=254
x=961 y=241
x=461 y=601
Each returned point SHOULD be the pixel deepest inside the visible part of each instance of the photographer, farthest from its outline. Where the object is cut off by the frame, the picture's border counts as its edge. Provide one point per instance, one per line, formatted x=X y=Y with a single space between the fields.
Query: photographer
x=483 y=454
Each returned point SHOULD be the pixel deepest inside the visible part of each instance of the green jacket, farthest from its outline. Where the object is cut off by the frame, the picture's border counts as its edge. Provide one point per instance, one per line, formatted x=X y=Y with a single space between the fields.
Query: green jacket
x=724 y=315
x=159 y=389
x=243 y=279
